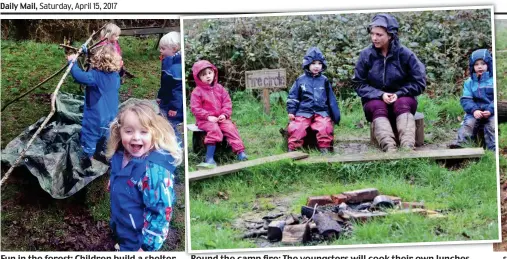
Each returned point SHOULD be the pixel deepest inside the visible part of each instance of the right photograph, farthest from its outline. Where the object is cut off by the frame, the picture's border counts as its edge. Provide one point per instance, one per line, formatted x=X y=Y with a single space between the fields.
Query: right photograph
x=335 y=129
x=501 y=71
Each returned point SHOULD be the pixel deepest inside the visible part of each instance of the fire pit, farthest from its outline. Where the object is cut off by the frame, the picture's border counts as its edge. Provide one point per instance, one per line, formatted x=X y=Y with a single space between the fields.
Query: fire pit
x=329 y=217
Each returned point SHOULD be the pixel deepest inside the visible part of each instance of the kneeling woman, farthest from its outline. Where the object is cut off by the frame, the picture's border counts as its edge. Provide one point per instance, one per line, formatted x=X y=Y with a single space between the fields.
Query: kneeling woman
x=388 y=76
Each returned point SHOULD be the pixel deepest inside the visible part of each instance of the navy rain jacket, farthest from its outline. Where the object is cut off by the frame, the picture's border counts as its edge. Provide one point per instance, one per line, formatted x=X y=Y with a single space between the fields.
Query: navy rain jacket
x=400 y=72
x=101 y=101
x=478 y=92
x=170 y=92
x=311 y=94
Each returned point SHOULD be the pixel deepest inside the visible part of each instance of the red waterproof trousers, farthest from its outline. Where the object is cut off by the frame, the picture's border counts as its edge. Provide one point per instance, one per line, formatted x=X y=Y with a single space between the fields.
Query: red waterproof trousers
x=215 y=132
x=323 y=126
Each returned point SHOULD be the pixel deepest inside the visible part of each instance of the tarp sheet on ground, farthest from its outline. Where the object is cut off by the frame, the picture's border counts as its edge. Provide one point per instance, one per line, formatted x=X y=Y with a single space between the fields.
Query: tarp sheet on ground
x=53 y=156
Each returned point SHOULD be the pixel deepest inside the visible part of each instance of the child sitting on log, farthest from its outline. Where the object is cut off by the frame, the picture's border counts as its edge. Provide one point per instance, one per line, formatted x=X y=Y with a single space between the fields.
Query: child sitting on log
x=212 y=107
x=478 y=101
x=312 y=103
x=170 y=96
x=101 y=96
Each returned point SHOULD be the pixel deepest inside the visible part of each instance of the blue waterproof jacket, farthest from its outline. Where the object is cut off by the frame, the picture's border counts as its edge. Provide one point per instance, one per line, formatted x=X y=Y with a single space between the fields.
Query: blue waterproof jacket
x=312 y=94
x=478 y=92
x=400 y=72
x=170 y=92
x=101 y=100
x=142 y=198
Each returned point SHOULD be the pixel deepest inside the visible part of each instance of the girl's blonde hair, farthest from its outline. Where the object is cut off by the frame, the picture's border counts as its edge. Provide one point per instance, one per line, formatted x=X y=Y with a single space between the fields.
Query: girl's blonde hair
x=172 y=40
x=162 y=132
x=106 y=58
x=110 y=30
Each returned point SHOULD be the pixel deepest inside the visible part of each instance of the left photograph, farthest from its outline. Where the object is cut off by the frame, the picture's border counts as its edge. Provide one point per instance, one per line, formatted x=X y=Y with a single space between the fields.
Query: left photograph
x=91 y=121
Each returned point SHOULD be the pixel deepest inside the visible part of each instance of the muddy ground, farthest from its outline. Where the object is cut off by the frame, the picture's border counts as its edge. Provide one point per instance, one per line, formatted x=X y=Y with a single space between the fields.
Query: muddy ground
x=33 y=221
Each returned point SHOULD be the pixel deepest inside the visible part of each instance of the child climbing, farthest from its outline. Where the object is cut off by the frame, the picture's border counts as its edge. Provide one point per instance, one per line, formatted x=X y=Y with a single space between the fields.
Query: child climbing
x=212 y=107
x=144 y=153
x=101 y=97
x=312 y=103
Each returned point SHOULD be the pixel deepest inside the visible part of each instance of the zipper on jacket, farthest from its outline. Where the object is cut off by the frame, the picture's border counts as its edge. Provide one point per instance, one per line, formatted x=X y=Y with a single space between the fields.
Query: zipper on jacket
x=214 y=97
x=315 y=98
x=384 y=75
x=132 y=220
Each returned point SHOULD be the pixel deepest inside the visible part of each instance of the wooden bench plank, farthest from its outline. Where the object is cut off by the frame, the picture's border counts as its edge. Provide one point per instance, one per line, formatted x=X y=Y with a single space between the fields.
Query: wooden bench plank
x=147 y=30
x=227 y=169
x=432 y=154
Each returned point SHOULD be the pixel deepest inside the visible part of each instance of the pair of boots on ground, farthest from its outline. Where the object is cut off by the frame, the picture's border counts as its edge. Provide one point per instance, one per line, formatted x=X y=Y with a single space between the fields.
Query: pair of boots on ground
x=405 y=123
x=209 y=161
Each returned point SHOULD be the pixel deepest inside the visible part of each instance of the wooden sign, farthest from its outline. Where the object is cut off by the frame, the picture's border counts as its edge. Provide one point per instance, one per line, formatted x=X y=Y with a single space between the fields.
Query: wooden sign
x=266 y=78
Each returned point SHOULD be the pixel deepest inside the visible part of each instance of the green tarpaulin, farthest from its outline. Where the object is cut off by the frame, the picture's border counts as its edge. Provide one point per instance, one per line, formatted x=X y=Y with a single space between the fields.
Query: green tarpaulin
x=53 y=156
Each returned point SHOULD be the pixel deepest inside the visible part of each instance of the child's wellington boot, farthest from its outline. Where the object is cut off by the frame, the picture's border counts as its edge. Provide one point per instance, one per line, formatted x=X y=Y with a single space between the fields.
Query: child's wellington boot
x=209 y=162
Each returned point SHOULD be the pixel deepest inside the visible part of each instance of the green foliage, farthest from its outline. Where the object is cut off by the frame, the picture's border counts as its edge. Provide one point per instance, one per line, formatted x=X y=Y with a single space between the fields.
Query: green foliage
x=501 y=58
x=441 y=39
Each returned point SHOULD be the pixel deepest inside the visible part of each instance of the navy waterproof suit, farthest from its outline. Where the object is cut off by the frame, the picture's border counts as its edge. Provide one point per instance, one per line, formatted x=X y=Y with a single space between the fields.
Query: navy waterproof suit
x=101 y=105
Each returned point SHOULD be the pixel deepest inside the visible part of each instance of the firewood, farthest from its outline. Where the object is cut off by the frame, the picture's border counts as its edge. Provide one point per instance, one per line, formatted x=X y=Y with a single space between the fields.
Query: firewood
x=296 y=234
x=255 y=233
x=275 y=230
x=328 y=228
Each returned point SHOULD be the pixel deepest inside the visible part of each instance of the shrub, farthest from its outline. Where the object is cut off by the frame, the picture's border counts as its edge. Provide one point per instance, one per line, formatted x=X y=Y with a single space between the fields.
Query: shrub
x=442 y=40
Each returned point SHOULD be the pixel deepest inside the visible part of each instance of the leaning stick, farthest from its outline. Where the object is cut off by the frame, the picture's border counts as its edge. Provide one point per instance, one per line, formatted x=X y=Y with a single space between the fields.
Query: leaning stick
x=35 y=87
x=69 y=47
x=53 y=109
x=97 y=43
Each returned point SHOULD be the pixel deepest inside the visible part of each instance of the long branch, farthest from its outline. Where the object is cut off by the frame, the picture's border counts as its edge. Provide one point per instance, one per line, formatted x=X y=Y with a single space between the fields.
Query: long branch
x=35 y=87
x=53 y=109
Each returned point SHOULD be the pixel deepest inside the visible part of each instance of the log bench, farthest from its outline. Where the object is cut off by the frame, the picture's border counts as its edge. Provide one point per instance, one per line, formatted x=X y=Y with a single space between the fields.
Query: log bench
x=198 y=146
x=419 y=131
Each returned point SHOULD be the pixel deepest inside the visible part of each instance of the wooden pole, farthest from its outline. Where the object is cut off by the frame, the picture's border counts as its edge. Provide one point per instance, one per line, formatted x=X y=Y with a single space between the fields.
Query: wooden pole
x=53 y=109
x=265 y=99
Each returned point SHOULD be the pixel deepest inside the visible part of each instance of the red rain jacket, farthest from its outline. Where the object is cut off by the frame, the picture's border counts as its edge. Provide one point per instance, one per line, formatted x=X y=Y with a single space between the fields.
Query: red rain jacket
x=207 y=100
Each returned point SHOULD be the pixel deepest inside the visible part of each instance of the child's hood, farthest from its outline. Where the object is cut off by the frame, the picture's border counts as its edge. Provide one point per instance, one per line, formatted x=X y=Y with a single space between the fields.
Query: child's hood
x=314 y=54
x=484 y=55
x=163 y=158
x=198 y=67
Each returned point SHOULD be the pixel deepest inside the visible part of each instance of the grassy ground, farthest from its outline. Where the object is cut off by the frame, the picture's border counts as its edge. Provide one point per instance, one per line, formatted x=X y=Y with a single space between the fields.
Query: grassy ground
x=24 y=64
x=468 y=195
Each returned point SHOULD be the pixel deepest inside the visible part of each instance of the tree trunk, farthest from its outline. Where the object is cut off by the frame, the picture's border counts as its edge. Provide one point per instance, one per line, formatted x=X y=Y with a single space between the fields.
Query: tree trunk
x=502 y=111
